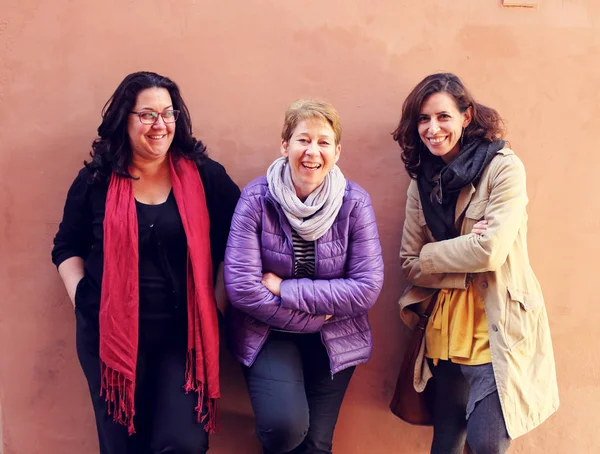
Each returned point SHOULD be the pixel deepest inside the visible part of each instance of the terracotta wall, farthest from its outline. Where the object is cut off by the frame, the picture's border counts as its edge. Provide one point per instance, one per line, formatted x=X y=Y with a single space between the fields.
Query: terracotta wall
x=239 y=65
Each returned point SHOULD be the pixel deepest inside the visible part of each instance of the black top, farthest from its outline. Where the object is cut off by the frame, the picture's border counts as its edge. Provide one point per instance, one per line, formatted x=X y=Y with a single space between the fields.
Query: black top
x=162 y=259
x=163 y=248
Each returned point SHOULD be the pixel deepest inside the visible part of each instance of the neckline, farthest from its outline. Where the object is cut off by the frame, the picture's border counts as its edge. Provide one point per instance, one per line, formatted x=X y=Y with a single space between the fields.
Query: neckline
x=154 y=204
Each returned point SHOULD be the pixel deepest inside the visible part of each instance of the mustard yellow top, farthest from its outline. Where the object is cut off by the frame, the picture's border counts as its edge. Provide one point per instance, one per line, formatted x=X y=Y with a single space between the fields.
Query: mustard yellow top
x=457 y=329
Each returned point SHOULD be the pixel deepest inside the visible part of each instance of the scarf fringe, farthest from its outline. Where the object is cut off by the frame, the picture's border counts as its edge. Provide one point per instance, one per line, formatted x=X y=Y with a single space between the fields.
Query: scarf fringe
x=119 y=305
x=118 y=391
x=211 y=416
x=192 y=383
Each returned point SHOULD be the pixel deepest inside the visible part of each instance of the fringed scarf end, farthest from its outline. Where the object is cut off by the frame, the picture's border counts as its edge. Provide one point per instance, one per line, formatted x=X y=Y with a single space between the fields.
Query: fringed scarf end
x=192 y=383
x=210 y=417
x=118 y=391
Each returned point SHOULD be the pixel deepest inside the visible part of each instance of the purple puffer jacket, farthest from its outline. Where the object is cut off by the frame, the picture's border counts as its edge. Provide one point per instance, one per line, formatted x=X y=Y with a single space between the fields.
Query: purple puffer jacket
x=348 y=277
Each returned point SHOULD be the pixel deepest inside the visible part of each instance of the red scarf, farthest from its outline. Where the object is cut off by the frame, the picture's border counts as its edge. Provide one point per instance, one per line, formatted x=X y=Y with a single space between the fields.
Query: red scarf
x=119 y=305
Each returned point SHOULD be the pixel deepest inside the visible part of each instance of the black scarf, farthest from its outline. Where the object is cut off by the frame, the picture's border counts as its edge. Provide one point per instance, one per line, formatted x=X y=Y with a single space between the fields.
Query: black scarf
x=440 y=183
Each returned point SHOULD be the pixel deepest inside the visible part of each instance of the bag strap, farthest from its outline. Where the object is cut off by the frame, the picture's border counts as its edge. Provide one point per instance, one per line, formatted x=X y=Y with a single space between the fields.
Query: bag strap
x=424 y=317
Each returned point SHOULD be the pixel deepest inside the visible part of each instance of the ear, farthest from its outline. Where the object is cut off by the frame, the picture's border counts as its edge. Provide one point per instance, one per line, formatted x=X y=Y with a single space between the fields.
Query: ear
x=468 y=116
x=338 y=150
x=284 y=148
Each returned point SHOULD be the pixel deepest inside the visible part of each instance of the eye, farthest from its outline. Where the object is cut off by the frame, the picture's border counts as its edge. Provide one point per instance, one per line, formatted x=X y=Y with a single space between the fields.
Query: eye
x=324 y=142
x=168 y=114
x=148 y=115
x=301 y=140
x=423 y=119
x=444 y=116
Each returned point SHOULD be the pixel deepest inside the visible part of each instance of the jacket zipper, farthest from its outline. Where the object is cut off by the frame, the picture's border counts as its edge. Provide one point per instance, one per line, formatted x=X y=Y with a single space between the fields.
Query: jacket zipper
x=288 y=234
x=321 y=332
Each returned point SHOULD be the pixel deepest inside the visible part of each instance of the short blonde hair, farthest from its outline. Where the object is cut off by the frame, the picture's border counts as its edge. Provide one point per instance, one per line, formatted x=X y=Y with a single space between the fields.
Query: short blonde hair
x=303 y=109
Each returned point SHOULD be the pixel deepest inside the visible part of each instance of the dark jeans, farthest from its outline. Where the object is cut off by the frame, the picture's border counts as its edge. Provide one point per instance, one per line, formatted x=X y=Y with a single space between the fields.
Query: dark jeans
x=165 y=419
x=484 y=431
x=295 y=399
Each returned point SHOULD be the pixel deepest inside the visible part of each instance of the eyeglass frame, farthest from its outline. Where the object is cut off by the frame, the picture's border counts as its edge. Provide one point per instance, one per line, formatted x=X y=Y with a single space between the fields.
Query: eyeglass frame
x=139 y=113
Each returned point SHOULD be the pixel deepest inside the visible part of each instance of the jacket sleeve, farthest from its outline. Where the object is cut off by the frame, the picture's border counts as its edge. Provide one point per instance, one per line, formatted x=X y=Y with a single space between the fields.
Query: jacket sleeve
x=74 y=237
x=222 y=195
x=359 y=289
x=504 y=212
x=243 y=273
x=413 y=241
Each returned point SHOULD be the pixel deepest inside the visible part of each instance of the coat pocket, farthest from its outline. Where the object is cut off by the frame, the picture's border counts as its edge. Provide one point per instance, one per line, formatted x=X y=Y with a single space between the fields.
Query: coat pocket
x=476 y=209
x=474 y=213
x=78 y=290
x=423 y=223
x=521 y=315
x=527 y=300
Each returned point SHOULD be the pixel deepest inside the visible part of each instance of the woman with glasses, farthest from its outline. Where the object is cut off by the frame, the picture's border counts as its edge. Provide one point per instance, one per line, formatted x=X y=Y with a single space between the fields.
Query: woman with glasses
x=302 y=268
x=464 y=251
x=143 y=233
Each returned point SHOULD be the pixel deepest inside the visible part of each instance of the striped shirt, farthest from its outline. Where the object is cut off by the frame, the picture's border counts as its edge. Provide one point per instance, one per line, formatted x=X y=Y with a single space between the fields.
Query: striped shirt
x=304 y=254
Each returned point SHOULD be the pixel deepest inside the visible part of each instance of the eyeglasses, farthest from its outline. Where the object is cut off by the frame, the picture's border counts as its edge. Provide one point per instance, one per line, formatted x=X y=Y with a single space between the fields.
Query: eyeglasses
x=149 y=117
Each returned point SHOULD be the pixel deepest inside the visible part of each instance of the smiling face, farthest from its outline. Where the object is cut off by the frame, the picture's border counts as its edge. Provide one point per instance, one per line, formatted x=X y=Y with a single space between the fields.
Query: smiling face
x=311 y=153
x=150 y=142
x=441 y=124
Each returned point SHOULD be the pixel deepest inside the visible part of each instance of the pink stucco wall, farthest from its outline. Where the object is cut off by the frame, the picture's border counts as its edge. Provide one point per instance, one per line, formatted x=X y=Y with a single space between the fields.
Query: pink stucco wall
x=239 y=65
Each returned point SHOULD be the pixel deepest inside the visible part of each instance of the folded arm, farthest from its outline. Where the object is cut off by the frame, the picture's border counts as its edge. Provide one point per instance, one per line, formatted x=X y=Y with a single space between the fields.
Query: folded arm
x=413 y=241
x=243 y=273
x=504 y=214
x=358 y=290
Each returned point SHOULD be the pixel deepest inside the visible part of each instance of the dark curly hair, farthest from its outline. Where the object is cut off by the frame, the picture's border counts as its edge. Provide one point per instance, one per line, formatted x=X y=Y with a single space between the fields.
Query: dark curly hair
x=486 y=122
x=111 y=151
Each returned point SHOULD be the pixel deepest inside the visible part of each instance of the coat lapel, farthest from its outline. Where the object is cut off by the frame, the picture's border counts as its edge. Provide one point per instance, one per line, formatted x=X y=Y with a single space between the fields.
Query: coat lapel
x=464 y=198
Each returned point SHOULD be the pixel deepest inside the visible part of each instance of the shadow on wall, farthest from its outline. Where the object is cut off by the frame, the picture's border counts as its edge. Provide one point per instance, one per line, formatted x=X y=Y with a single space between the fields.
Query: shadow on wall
x=235 y=432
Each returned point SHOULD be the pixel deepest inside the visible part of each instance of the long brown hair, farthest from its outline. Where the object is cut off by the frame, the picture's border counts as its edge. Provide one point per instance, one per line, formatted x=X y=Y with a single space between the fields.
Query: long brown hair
x=486 y=122
x=111 y=151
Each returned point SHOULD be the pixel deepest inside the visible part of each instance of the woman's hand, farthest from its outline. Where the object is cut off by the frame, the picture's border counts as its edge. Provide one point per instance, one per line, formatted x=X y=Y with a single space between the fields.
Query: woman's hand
x=480 y=227
x=272 y=282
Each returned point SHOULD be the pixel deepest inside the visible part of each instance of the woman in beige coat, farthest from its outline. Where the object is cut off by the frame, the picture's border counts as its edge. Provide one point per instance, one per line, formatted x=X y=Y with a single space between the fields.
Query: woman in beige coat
x=464 y=248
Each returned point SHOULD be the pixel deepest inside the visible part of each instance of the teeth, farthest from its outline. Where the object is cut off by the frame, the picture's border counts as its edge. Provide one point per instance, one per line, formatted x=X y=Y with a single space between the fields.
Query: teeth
x=156 y=137
x=437 y=140
x=312 y=167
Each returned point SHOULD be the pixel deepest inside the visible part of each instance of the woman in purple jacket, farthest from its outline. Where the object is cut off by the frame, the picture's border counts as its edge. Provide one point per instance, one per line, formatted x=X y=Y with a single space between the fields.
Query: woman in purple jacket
x=302 y=268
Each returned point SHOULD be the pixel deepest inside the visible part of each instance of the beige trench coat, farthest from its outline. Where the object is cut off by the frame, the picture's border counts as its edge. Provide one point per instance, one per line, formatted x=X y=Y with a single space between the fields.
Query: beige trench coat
x=498 y=263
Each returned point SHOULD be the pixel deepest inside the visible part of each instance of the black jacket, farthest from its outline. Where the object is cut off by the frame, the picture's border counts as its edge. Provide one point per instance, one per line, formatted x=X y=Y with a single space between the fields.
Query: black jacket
x=81 y=234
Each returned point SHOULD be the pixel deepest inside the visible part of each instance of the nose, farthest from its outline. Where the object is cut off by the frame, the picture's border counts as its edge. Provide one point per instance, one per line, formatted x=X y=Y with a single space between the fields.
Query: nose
x=313 y=148
x=434 y=126
x=157 y=123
